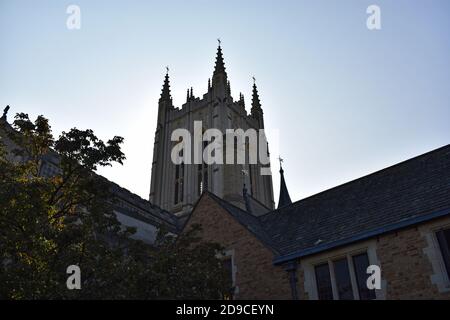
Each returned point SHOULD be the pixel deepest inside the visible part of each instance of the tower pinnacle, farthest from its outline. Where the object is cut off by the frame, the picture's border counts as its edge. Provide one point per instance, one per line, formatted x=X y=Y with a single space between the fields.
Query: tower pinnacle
x=219 y=79
x=220 y=64
x=165 y=93
x=256 y=110
x=256 y=104
x=241 y=99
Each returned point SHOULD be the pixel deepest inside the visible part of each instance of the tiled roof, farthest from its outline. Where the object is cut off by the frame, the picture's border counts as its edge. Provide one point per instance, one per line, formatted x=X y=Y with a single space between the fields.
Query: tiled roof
x=134 y=206
x=248 y=220
x=409 y=192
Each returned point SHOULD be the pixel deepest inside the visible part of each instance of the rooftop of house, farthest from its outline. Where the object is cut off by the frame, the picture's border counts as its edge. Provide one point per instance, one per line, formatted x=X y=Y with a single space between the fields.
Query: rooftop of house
x=408 y=193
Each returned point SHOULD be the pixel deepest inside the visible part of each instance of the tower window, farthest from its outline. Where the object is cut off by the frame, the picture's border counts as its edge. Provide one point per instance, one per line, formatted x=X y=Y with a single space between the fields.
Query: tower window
x=202 y=178
x=202 y=174
x=179 y=182
x=250 y=171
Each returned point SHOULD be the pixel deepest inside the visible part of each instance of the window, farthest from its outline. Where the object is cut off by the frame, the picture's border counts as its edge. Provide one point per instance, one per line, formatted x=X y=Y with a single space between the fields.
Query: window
x=443 y=238
x=227 y=264
x=339 y=279
x=202 y=178
x=323 y=281
x=199 y=180
x=179 y=179
x=361 y=262
x=202 y=174
x=250 y=171
x=343 y=280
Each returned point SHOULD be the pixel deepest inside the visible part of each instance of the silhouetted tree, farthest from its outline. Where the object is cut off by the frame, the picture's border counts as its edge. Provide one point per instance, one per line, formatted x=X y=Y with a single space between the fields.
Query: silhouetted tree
x=49 y=223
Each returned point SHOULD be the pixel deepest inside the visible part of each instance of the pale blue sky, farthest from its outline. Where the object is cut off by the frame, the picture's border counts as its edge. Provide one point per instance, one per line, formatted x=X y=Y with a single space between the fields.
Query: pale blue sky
x=347 y=101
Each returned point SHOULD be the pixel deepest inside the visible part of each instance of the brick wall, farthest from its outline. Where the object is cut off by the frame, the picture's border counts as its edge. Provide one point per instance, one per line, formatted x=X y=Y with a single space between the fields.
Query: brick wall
x=407 y=267
x=256 y=277
x=408 y=258
x=410 y=261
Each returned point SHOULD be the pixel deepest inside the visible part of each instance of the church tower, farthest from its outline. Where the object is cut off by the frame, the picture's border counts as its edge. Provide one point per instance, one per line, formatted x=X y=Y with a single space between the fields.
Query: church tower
x=177 y=187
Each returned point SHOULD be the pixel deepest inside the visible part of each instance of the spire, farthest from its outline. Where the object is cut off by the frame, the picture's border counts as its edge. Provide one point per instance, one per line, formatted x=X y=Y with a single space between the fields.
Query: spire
x=219 y=78
x=256 y=110
x=241 y=99
x=192 y=93
x=220 y=64
x=229 y=88
x=285 y=199
x=256 y=104
x=165 y=93
x=209 y=84
x=187 y=96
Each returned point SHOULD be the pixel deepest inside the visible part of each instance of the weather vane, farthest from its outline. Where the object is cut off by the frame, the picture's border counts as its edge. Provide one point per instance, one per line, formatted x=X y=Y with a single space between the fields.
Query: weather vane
x=167 y=69
x=254 y=80
x=280 y=159
x=218 y=40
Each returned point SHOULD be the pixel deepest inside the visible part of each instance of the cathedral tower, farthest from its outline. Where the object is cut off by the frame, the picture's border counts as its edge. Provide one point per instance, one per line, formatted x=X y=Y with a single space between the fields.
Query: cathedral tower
x=176 y=187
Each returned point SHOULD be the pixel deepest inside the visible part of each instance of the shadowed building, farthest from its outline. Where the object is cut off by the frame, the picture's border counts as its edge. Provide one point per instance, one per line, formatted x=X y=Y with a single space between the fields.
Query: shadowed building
x=320 y=247
x=177 y=187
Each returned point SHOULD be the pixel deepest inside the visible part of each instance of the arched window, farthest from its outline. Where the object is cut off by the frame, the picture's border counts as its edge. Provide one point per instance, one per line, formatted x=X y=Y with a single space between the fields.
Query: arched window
x=202 y=174
x=179 y=182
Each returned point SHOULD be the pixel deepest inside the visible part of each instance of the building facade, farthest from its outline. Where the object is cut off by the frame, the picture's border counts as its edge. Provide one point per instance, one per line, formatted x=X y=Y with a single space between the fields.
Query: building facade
x=396 y=219
x=176 y=187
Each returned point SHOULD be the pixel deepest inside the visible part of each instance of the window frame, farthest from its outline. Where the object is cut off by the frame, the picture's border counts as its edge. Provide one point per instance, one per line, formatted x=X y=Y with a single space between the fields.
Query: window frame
x=439 y=277
x=351 y=270
x=179 y=184
x=308 y=263
x=327 y=264
x=335 y=261
x=230 y=255
x=446 y=264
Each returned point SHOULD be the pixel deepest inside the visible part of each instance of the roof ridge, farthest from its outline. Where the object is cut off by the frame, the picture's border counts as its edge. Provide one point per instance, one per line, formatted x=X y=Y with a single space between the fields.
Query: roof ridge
x=259 y=202
x=223 y=200
x=415 y=158
x=268 y=241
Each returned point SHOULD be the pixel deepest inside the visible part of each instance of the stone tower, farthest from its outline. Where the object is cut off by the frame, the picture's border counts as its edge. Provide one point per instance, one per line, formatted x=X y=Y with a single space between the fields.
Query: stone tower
x=176 y=188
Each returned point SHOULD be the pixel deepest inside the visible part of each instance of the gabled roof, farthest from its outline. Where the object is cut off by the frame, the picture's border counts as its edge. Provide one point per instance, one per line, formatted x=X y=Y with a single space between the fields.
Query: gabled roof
x=254 y=206
x=405 y=194
x=410 y=192
x=134 y=206
x=247 y=220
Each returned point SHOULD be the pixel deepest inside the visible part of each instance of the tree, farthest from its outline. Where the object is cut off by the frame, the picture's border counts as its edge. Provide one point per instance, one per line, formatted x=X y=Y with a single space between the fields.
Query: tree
x=50 y=223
